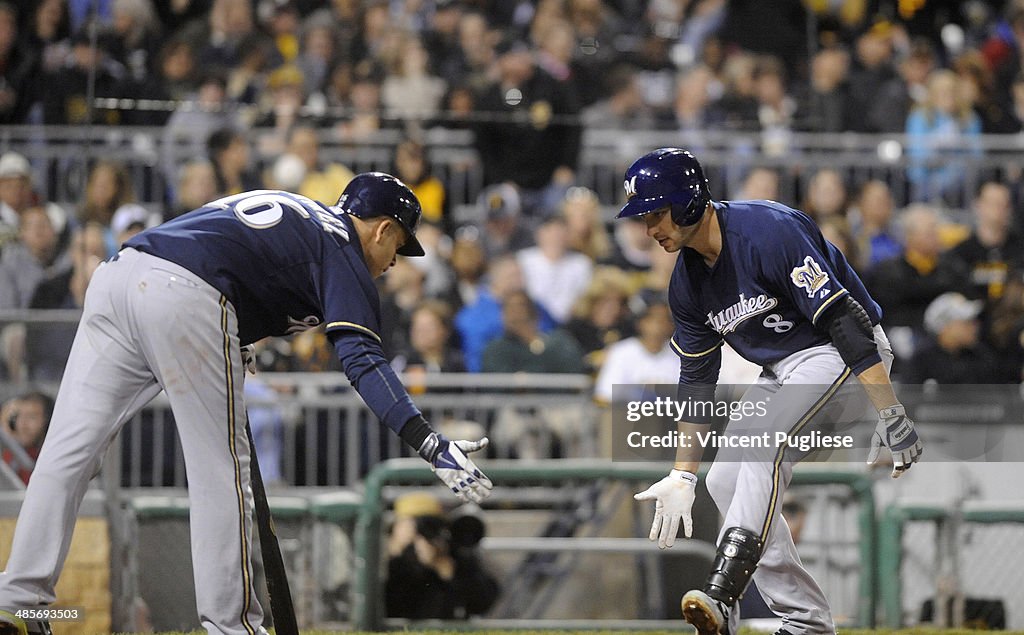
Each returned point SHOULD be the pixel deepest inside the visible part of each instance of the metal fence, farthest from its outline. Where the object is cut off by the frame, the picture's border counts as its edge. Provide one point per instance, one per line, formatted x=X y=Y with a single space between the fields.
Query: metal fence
x=952 y=566
x=61 y=156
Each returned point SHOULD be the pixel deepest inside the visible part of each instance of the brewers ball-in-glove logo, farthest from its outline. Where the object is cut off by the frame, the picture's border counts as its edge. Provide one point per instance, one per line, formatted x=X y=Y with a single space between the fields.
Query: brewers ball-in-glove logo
x=810 y=278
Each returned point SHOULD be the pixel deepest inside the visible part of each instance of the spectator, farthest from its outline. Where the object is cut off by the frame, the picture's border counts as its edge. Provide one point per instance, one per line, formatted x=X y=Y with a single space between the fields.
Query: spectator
x=441 y=39
x=776 y=108
x=318 y=53
x=645 y=358
x=48 y=33
x=601 y=316
x=823 y=105
x=554 y=276
x=993 y=249
x=19 y=69
x=904 y=286
x=692 y=107
x=977 y=81
x=430 y=348
x=871 y=220
x=738 y=103
x=323 y=181
x=872 y=72
x=16 y=194
x=434 y=569
x=527 y=140
x=1006 y=329
x=402 y=293
x=226 y=25
x=954 y=353
x=504 y=231
x=826 y=195
x=246 y=81
x=523 y=348
x=128 y=220
x=134 y=37
x=624 y=108
x=477 y=54
x=281 y=24
x=587 y=233
x=108 y=187
x=468 y=264
x=836 y=230
x=34 y=257
x=633 y=247
x=88 y=72
x=228 y=151
x=410 y=92
x=174 y=15
x=47 y=346
x=760 y=183
x=412 y=168
x=480 y=323
x=25 y=419
x=188 y=129
x=197 y=185
x=284 y=110
x=940 y=133
x=364 y=118
x=555 y=41
x=173 y=79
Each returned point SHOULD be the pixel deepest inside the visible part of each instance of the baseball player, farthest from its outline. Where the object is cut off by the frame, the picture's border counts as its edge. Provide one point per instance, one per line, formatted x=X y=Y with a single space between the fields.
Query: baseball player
x=172 y=311
x=758 y=275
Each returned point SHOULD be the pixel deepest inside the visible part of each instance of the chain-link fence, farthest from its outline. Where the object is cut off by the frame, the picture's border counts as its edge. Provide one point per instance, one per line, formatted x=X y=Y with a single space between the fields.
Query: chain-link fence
x=952 y=567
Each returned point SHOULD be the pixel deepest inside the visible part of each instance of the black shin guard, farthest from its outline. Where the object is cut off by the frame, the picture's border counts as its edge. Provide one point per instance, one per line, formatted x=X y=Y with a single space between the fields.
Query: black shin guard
x=735 y=562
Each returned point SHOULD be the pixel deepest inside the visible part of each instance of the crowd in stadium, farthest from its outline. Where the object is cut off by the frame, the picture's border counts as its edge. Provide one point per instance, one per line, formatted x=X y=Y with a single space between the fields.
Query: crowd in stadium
x=542 y=283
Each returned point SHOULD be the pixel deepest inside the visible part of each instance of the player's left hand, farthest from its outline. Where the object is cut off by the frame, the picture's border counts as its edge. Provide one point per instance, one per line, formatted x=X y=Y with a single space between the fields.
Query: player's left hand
x=673 y=499
x=896 y=431
x=457 y=471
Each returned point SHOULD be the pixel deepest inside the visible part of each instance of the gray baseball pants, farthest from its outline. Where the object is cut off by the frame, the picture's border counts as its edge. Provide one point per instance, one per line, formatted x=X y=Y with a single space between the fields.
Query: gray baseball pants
x=148 y=325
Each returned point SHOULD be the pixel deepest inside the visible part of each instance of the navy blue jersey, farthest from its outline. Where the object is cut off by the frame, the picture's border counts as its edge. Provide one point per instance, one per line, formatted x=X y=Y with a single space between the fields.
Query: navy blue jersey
x=288 y=263
x=285 y=262
x=775 y=276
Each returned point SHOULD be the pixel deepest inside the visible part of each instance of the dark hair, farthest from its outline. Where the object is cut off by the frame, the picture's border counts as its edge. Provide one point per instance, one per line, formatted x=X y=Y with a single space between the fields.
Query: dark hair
x=220 y=140
x=43 y=399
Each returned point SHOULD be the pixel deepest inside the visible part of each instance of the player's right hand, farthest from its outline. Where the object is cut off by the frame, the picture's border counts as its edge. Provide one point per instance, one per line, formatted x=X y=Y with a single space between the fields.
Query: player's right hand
x=896 y=431
x=673 y=499
x=457 y=471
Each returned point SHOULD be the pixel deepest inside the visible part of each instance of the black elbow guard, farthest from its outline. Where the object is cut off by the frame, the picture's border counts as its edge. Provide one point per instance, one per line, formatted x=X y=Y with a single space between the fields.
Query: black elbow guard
x=850 y=328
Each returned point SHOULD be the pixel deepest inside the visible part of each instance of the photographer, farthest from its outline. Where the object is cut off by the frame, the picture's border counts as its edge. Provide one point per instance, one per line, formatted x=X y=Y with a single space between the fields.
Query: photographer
x=434 y=571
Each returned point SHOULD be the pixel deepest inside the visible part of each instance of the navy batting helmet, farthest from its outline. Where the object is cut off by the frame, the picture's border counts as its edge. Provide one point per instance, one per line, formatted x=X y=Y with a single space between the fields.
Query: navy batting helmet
x=667 y=177
x=373 y=194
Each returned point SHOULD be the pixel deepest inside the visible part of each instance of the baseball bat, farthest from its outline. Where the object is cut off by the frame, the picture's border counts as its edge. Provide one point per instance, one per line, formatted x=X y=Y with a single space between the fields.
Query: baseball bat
x=273 y=563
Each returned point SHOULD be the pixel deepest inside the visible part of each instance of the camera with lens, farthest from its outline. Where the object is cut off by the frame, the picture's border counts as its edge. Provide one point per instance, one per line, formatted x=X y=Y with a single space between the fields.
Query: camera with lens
x=459 y=534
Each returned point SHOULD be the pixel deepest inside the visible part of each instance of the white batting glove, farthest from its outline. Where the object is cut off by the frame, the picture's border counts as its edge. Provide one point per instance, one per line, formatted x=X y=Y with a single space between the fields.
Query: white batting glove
x=673 y=499
x=449 y=461
x=249 y=358
x=896 y=431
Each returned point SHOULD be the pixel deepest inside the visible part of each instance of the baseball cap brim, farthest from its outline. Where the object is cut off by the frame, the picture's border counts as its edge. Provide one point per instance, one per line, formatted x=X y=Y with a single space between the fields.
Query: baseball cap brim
x=637 y=206
x=412 y=247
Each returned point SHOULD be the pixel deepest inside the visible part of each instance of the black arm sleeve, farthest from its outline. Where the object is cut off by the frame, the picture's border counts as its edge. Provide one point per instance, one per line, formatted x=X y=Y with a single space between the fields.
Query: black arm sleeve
x=698 y=377
x=849 y=326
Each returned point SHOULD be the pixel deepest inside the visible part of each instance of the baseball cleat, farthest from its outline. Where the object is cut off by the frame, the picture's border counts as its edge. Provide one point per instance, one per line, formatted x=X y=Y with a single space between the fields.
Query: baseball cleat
x=708 y=616
x=10 y=624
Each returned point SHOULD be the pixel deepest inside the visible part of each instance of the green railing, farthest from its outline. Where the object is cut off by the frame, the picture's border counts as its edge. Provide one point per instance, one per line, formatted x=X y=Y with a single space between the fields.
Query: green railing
x=367 y=593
